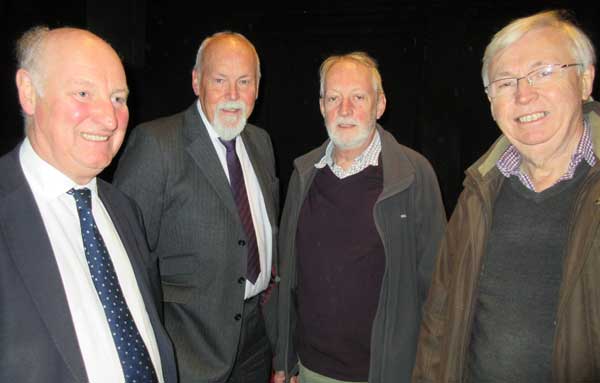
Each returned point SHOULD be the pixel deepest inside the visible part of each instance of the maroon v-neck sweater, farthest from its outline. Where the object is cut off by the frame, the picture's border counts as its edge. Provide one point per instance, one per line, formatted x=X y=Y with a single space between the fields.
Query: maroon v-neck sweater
x=340 y=267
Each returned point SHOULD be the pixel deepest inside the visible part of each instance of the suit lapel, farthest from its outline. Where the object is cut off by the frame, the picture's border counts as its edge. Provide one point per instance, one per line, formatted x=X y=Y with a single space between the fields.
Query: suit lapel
x=202 y=150
x=260 y=169
x=31 y=251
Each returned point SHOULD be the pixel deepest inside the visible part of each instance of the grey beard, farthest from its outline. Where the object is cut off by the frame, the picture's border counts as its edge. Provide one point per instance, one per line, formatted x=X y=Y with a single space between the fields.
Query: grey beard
x=229 y=133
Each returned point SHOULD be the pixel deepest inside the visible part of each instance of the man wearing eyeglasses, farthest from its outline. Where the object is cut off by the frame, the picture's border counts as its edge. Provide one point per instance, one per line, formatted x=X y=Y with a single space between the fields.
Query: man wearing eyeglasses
x=515 y=296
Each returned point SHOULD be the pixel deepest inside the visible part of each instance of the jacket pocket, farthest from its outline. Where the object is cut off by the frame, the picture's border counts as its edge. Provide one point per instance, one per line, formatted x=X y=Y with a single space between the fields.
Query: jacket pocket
x=178 y=277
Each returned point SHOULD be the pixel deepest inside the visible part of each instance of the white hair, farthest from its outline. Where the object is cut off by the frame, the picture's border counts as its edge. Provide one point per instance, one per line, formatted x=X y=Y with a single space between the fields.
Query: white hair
x=581 y=47
x=358 y=57
x=28 y=52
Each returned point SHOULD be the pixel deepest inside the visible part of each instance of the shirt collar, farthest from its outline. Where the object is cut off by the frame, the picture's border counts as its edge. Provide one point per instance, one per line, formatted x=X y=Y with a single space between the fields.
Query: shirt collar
x=509 y=162
x=369 y=157
x=45 y=178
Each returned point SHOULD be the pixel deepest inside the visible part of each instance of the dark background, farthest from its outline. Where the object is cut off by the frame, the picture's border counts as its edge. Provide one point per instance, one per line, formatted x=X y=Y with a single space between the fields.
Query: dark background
x=429 y=54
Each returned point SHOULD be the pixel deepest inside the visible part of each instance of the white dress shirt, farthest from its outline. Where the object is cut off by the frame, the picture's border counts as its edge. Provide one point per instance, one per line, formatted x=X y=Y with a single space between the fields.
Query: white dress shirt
x=61 y=221
x=258 y=209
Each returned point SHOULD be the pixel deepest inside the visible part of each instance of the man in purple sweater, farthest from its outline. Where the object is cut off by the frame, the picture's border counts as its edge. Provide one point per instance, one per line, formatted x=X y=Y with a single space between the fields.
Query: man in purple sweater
x=360 y=229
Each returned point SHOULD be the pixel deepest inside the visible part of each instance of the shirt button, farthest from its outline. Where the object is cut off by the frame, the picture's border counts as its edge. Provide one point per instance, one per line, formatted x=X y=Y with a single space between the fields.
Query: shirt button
x=241 y=280
x=237 y=317
x=241 y=242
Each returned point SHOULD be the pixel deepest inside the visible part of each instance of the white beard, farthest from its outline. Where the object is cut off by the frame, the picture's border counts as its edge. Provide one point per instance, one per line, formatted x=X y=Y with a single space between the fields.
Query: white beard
x=228 y=130
x=361 y=134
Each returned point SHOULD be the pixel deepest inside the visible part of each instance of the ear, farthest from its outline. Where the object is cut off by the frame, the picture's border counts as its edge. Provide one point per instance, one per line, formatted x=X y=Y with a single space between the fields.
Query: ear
x=322 y=106
x=26 y=90
x=381 y=102
x=491 y=107
x=196 y=82
x=587 y=82
x=257 y=87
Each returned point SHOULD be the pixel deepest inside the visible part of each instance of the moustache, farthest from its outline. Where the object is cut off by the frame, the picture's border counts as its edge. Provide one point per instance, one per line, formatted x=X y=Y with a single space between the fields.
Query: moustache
x=346 y=121
x=231 y=105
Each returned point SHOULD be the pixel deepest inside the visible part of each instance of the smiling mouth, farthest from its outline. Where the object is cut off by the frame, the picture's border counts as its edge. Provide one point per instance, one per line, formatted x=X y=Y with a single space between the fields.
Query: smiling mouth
x=94 y=137
x=532 y=117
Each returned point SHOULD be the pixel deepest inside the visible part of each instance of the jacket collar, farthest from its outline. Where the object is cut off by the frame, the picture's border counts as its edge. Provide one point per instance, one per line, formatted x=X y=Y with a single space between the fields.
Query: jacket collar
x=200 y=147
x=398 y=170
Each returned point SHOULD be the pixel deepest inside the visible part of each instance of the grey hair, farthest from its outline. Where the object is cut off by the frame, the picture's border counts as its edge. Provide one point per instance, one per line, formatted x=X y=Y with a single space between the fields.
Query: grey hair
x=581 y=47
x=361 y=58
x=28 y=52
x=206 y=41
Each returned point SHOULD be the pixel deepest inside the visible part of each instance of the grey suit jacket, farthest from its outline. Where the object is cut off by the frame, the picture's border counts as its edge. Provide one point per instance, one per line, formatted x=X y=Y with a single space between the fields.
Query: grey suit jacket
x=171 y=169
x=37 y=336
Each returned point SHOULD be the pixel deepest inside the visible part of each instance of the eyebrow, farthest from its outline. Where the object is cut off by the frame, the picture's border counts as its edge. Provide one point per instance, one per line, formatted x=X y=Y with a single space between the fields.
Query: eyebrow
x=83 y=82
x=505 y=74
x=220 y=74
x=351 y=91
x=91 y=84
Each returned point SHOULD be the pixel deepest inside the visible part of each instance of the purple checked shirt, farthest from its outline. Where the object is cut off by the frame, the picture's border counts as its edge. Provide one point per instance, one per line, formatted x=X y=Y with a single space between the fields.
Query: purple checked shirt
x=509 y=163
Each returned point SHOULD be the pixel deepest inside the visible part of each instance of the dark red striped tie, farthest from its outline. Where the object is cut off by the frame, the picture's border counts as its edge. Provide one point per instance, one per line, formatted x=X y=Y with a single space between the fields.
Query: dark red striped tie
x=238 y=187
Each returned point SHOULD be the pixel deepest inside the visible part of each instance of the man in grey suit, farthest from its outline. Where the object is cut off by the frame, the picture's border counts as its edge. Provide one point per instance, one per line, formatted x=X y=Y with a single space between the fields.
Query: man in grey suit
x=205 y=182
x=77 y=284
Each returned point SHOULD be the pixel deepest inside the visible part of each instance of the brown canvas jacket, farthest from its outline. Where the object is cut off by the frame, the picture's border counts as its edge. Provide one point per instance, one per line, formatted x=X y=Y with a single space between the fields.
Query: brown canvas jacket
x=446 y=325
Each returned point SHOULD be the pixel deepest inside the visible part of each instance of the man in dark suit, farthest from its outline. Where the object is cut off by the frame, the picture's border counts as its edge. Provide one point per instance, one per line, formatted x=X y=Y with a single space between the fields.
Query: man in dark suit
x=76 y=292
x=205 y=182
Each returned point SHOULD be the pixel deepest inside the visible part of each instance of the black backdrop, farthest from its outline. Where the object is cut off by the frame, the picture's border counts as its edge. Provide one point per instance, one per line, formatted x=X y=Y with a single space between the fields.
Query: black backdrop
x=429 y=54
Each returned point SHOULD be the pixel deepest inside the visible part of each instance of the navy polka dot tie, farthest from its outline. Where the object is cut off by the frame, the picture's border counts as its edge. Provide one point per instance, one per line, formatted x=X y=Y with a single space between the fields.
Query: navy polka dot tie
x=238 y=187
x=135 y=360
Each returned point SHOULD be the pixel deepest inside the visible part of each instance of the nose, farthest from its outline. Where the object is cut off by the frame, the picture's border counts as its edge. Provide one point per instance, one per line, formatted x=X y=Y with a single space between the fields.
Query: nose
x=346 y=107
x=525 y=92
x=233 y=93
x=105 y=114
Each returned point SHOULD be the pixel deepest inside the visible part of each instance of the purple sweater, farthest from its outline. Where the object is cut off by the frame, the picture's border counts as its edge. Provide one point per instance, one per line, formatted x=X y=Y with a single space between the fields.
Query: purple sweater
x=340 y=267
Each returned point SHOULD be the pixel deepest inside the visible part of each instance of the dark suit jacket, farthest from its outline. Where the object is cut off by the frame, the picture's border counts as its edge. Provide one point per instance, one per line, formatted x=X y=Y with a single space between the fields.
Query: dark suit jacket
x=37 y=335
x=171 y=169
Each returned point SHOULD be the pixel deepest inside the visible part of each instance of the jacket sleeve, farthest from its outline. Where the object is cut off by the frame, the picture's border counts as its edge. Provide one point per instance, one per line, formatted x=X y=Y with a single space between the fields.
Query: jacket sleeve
x=141 y=175
x=285 y=353
x=428 y=365
x=269 y=298
x=430 y=226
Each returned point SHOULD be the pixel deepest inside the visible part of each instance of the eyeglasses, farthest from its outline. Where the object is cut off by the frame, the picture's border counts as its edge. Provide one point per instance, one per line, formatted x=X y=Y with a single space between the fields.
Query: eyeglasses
x=505 y=87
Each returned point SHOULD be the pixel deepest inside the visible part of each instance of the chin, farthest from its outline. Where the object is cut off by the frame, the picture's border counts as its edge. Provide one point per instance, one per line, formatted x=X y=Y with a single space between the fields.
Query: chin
x=348 y=143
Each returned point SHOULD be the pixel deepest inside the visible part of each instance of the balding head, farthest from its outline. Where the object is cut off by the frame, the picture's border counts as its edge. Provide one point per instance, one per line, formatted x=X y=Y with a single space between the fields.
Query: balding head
x=34 y=46
x=73 y=92
x=225 y=37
